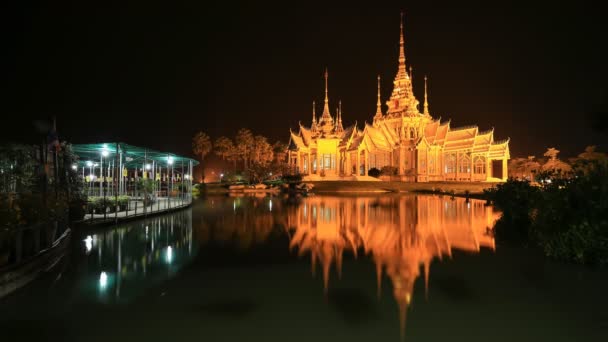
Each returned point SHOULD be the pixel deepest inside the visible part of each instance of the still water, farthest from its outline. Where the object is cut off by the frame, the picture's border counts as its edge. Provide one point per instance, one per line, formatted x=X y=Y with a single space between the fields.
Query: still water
x=321 y=268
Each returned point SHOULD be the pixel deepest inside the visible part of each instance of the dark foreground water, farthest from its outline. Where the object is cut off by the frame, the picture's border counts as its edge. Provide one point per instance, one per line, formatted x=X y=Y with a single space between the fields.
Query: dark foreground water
x=366 y=268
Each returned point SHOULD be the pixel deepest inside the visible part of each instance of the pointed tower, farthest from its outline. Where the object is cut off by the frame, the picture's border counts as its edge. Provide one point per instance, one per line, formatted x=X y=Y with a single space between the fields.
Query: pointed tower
x=426 y=103
x=378 y=115
x=402 y=101
x=313 y=126
x=339 y=127
x=326 y=123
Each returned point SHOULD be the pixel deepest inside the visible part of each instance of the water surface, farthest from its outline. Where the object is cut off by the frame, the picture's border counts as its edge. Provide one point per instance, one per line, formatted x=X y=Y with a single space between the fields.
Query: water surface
x=323 y=268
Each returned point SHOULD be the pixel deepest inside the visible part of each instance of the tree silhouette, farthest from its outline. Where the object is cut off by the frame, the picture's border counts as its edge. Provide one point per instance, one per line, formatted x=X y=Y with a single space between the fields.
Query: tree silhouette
x=201 y=146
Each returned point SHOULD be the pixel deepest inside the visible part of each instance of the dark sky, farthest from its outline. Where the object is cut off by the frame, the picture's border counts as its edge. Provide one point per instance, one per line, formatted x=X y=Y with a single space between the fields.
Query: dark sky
x=153 y=74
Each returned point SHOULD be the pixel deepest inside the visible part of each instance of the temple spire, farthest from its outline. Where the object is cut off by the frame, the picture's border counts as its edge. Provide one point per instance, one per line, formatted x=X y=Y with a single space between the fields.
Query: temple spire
x=339 y=127
x=401 y=44
x=314 y=117
x=326 y=107
x=379 y=103
x=426 y=103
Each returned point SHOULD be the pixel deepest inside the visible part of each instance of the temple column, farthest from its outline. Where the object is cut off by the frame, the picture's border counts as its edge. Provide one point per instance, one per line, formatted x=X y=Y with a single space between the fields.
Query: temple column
x=472 y=170
x=488 y=168
x=504 y=170
x=457 y=164
x=401 y=160
x=309 y=164
x=298 y=163
x=366 y=163
x=358 y=169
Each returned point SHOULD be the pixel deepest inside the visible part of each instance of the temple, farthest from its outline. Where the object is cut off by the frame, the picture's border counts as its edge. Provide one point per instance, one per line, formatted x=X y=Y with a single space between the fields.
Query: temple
x=403 y=141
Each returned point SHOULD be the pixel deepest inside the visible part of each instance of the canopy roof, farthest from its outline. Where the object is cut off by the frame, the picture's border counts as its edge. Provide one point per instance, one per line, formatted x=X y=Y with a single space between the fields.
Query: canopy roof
x=132 y=156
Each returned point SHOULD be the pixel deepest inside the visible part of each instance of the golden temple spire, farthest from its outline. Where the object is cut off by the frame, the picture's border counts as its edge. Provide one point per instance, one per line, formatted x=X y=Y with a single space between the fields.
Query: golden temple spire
x=326 y=107
x=313 y=126
x=401 y=45
x=379 y=103
x=426 y=103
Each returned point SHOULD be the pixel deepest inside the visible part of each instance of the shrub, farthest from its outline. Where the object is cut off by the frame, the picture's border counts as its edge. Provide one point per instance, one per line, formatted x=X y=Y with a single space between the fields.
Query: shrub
x=389 y=170
x=374 y=172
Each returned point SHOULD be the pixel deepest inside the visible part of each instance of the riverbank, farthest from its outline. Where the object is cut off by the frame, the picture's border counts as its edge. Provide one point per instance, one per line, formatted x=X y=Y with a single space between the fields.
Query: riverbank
x=457 y=188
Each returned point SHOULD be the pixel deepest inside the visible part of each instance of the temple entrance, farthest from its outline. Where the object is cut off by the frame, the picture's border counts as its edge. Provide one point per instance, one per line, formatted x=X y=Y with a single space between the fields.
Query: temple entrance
x=496 y=169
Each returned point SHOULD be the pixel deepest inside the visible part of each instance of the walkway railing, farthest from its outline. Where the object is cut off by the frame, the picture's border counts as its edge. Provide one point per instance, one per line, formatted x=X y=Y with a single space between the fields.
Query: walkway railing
x=108 y=210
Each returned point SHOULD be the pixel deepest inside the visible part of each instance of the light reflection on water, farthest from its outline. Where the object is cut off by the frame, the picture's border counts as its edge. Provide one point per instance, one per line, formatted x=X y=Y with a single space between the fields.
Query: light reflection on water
x=123 y=261
x=401 y=234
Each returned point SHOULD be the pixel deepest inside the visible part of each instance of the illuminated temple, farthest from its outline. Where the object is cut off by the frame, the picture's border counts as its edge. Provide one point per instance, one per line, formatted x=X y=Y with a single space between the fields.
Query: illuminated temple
x=407 y=139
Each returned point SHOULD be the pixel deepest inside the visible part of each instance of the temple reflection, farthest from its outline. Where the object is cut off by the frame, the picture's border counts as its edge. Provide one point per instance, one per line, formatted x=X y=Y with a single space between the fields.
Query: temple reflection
x=401 y=233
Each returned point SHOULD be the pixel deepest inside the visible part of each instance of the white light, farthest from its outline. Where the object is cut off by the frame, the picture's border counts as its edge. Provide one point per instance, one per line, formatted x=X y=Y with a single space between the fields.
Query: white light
x=95 y=164
x=74 y=167
x=221 y=175
x=105 y=153
x=105 y=146
x=89 y=163
x=169 y=160
x=270 y=205
x=103 y=280
x=88 y=243
x=92 y=177
x=548 y=181
x=270 y=173
x=186 y=176
x=148 y=166
x=169 y=254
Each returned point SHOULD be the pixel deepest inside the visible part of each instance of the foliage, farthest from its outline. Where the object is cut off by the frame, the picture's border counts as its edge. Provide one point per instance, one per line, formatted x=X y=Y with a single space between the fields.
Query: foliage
x=201 y=146
x=567 y=217
x=374 y=172
x=110 y=204
x=244 y=142
x=389 y=170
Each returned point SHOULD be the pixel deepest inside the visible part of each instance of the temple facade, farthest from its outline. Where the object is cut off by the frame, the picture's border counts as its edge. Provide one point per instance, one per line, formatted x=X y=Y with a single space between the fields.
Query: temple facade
x=405 y=141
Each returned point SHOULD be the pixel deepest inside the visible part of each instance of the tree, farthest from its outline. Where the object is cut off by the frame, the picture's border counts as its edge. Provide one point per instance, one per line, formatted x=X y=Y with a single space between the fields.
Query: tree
x=554 y=164
x=224 y=147
x=244 y=142
x=279 y=149
x=201 y=146
x=261 y=152
x=591 y=154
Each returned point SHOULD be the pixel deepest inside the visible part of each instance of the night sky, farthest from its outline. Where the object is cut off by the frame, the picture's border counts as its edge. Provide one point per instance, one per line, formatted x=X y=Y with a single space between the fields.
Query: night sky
x=153 y=74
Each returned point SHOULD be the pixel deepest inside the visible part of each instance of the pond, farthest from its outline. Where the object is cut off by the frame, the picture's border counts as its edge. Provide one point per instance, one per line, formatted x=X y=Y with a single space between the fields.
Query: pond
x=322 y=268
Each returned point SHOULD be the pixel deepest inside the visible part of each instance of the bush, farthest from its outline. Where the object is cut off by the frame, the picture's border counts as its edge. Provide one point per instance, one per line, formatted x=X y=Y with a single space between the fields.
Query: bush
x=374 y=172
x=566 y=217
x=389 y=170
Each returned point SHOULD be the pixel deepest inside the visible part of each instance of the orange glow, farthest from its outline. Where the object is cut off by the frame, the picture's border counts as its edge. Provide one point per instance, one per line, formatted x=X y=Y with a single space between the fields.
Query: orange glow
x=400 y=233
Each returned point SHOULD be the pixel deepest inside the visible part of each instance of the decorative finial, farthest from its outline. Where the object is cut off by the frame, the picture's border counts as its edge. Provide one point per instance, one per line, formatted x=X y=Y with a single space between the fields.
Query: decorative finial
x=314 y=114
x=426 y=103
x=379 y=103
x=401 y=43
x=326 y=116
x=411 y=73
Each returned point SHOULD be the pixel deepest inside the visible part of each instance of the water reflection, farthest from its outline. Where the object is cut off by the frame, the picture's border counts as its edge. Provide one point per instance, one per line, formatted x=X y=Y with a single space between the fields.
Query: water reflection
x=402 y=234
x=122 y=262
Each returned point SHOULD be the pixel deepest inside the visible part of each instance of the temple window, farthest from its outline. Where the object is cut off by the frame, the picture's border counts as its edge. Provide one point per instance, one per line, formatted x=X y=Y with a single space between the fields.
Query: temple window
x=450 y=163
x=480 y=165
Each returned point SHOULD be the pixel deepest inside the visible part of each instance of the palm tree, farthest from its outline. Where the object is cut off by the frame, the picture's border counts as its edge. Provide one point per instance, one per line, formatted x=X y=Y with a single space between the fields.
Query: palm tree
x=244 y=142
x=262 y=150
x=224 y=147
x=201 y=146
x=554 y=163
